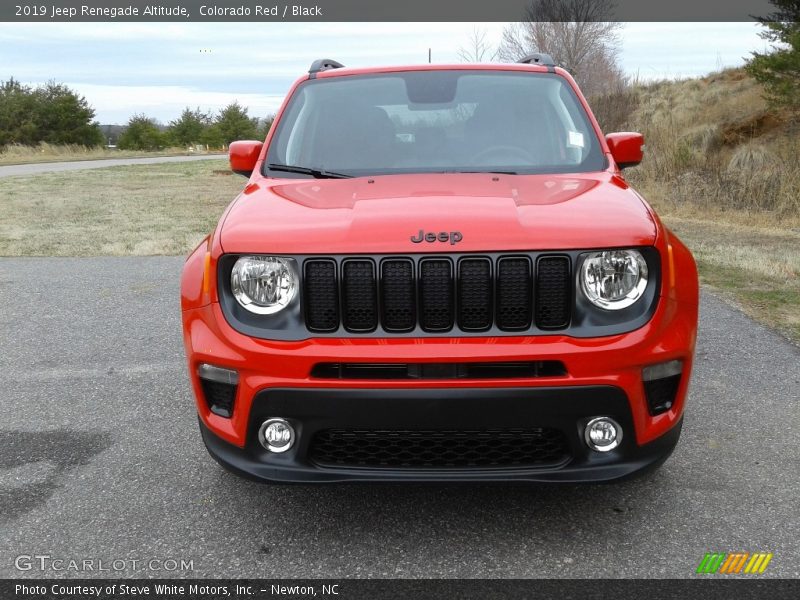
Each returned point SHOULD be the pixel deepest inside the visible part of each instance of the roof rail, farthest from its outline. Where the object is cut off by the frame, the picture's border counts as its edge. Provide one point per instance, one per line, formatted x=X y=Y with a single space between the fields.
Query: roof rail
x=323 y=64
x=538 y=58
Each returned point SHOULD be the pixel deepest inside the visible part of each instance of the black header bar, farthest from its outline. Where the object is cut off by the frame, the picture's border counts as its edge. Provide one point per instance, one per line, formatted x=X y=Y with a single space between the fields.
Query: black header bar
x=709 y=587
x=363 y=10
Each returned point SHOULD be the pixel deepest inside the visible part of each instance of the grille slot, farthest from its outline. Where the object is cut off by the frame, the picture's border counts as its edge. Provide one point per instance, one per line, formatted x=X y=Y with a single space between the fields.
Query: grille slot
x=321 y=295
x=475 y=294
x=397 y=295
x=514 y=293
x=553 y=292
x=439 y=449
x=436 y=294
x=488 y=370
x=359 y=296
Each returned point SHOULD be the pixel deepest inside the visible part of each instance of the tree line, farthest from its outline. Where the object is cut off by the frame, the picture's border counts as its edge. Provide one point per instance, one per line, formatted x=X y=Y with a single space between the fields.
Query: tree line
x=194 y=126
x=52 y=113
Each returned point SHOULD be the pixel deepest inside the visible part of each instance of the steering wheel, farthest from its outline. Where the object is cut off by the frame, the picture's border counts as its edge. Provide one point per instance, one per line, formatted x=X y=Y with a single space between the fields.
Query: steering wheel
x=505 y=151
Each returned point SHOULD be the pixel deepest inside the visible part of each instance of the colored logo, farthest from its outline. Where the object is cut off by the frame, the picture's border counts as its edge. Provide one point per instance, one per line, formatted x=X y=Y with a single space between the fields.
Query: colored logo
x=723 y=563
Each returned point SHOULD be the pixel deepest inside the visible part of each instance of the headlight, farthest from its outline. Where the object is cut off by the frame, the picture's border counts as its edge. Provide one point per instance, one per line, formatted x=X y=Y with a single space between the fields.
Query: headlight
x=614 y=279
x=263 y=284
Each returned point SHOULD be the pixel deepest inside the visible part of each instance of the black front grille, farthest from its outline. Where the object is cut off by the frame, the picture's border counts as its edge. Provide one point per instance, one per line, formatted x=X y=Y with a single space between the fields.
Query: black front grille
x=437 y=294
x=439 y=449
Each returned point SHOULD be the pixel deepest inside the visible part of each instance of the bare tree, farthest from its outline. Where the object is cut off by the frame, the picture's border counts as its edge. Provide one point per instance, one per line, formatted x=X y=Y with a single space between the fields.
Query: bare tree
x=578 y=34
x=477 y=48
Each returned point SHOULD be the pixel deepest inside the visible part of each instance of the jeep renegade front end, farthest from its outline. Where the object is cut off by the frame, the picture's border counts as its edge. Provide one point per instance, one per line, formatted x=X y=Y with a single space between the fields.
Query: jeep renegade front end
x=439 y=273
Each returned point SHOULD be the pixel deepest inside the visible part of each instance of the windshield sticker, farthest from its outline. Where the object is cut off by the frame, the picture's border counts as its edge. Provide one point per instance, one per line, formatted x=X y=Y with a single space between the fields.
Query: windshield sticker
x=575 y=139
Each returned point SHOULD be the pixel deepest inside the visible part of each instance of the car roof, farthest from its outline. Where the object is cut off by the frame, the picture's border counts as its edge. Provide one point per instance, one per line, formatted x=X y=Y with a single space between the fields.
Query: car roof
x=345 y=71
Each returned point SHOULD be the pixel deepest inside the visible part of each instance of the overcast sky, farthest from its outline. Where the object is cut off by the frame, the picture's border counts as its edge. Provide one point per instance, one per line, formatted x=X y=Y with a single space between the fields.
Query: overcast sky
x=159 y=68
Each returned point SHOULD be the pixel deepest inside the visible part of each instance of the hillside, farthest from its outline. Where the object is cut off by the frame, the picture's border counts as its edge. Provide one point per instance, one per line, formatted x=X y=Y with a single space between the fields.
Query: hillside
x=714 y=142
x=723 y=171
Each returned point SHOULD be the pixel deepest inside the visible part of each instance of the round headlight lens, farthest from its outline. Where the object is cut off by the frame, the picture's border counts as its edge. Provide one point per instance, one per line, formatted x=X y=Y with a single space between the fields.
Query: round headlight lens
x=614 y=279
x=263 y=284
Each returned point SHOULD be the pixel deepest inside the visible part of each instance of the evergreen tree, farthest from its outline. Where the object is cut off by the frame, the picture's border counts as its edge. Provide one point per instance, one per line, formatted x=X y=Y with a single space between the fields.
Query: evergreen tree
x=142 y=133
x=50 y=113
x=188 y=129
x=65 y=117
x=779 y=70
x=17 y=114
x=234 y=124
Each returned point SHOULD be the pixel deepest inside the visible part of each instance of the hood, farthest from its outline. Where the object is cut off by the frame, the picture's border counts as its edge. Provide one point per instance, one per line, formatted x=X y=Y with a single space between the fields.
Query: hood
x=490 y=212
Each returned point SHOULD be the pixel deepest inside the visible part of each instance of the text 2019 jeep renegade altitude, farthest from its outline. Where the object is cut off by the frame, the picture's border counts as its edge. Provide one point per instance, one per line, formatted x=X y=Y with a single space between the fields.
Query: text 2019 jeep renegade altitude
x=439 y=273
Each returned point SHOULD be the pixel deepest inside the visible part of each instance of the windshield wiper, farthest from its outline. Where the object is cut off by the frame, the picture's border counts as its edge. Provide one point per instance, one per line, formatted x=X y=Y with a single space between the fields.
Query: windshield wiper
x=493 y=172
x=316 y=173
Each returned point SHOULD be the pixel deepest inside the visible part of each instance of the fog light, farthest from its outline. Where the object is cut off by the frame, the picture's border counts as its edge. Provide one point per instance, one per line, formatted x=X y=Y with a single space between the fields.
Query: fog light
x=602 y=434
x=276 y=435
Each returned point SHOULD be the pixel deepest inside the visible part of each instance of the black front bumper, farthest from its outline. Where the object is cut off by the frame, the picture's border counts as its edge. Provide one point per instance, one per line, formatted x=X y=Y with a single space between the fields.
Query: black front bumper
x=567 y=409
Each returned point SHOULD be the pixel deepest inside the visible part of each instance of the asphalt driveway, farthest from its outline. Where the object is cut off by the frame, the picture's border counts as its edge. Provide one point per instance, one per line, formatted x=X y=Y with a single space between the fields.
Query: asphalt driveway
x=100 y=457
x=78 y=165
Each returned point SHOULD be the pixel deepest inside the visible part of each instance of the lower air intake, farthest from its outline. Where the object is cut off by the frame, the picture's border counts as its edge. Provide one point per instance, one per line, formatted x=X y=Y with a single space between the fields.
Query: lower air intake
x=439 y=449
x=219 y=397
x=661 y=393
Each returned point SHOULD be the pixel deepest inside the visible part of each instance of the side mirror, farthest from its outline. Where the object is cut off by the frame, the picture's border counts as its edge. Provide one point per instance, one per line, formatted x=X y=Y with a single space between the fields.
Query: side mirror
x=626 y=148
x=244 y=155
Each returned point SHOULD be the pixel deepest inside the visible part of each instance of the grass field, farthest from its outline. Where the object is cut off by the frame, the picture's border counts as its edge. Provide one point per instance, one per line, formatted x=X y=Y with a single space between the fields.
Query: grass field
x=753 y=260
x=757 y=267
x=133 y=210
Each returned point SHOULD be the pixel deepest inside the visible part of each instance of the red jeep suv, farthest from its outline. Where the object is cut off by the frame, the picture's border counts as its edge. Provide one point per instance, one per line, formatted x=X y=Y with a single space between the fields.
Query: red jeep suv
x=439 y=273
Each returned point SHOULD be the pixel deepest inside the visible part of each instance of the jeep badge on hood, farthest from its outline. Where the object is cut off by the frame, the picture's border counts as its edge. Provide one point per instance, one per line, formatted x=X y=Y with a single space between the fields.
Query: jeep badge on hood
x=453 y=237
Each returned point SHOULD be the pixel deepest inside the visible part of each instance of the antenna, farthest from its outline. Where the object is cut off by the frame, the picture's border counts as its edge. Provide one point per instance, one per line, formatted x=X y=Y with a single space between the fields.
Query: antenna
x=429 y=56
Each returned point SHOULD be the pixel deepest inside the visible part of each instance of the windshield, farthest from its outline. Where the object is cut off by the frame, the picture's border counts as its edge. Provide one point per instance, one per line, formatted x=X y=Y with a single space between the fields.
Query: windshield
x=434 y=121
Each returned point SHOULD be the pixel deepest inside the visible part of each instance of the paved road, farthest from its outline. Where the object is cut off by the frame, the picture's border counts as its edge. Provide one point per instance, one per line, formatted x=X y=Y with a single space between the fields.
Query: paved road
x=33 y=168
x=100 y=458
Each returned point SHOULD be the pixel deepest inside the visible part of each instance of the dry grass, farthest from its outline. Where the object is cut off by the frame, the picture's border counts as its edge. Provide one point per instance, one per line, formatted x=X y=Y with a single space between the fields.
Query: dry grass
x=722 y=171
x=133 y=210
x=757 y=267
x=16 y=155
x=713 y=142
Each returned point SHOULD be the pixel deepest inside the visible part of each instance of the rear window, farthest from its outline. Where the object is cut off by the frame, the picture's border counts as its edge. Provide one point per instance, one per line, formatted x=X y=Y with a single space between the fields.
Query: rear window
x=437 y=121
